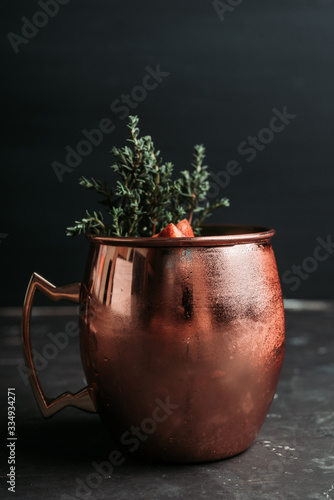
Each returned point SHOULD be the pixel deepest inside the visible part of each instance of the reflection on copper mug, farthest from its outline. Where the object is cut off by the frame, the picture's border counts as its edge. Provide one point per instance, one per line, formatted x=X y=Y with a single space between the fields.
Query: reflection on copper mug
x=182 y=340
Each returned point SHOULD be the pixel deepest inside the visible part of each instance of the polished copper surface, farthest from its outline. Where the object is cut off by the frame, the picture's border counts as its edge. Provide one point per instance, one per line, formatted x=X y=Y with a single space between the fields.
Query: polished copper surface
x=182 y=340
x=49 y=406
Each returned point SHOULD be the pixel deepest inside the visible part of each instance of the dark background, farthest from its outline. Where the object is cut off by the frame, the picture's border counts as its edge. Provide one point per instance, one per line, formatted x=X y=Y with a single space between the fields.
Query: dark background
x=225 y=77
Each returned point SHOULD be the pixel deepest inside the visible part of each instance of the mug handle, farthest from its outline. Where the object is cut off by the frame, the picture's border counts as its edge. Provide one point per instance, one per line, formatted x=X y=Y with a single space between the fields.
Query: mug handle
x=48 y=406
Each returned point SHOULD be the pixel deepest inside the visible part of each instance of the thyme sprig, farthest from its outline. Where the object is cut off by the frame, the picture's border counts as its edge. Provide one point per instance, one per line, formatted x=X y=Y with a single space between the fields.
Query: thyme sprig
x=147 y=198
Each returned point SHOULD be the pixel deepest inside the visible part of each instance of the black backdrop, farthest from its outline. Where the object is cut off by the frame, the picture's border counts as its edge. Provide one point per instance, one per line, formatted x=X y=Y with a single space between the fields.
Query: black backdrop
x=222 y=71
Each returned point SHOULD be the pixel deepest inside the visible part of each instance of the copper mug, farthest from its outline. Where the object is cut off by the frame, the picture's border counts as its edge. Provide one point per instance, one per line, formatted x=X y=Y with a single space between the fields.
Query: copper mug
x=182 y=340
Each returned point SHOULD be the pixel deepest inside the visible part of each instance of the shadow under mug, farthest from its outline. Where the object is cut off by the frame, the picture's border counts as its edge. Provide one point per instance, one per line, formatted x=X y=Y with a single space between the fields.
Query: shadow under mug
x=182 y=340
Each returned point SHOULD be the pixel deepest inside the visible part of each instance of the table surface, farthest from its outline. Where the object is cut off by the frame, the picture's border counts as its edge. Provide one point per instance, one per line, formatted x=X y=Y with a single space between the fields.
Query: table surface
x=291 y=458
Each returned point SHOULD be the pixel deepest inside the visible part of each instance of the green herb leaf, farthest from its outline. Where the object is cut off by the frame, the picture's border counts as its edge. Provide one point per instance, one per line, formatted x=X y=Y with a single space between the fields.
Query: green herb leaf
x=147 y=198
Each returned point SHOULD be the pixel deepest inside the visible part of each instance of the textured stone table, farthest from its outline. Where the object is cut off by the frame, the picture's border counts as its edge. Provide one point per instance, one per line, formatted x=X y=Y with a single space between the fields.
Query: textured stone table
x=291 y=458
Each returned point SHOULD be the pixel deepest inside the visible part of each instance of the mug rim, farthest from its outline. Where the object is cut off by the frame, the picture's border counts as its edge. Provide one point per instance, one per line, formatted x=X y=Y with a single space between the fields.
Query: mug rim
x=236 y=234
